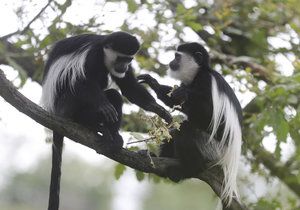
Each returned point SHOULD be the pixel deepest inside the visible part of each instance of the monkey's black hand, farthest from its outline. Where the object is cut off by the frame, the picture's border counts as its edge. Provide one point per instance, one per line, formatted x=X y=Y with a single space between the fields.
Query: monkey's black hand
x=146 y=78
x=156 y=108
x=180 y=94
x=108 y=111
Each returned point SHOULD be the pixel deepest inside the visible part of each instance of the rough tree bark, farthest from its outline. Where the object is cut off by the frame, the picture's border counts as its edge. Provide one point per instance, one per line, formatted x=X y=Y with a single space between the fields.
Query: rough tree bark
x=81 y=135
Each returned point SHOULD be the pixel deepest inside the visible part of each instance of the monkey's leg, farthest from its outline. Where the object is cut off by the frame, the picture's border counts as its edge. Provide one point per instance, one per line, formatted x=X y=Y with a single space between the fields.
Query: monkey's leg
x=90 y=118
x=167 y=148
x=191 y=148
x=116 y=100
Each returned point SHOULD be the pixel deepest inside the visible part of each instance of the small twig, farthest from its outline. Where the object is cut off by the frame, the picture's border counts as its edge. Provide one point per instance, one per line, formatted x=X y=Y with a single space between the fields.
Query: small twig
x=143 y=140
x=21 y=32
x=150 y=157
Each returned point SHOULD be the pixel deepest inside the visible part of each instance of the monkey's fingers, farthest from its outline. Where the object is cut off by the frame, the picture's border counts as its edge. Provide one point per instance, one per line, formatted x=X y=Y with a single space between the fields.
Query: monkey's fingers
x=110 y=113
x=166 y=116
x=104 y=111
x=114 y=113
x=146 y=78
x=180 y=94
x=142 y=81
x=163 y=113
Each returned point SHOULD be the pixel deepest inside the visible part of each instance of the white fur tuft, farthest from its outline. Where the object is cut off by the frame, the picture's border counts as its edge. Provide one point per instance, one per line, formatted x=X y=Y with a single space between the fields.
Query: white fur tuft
x=230 y=143
x=70 y=68
x=110 y=57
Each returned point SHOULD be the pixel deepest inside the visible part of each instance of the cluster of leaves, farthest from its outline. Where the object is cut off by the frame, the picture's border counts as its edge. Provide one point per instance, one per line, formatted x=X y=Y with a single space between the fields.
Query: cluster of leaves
x=158 y=131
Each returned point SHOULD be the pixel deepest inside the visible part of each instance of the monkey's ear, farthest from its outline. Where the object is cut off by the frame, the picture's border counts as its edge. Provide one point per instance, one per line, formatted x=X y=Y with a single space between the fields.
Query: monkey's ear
x=199 y=57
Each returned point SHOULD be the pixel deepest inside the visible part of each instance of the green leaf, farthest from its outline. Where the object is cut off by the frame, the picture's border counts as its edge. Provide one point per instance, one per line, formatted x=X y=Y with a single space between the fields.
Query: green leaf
x=280 y=125
x=46 y=41
x=278 y=149
x=180 y=9
x=132 y=6
x=195 y=26
x=282 y=130
x=119 y=170
x=134 y=148
x=139 y=175
x=156 y=179
x=278 y=91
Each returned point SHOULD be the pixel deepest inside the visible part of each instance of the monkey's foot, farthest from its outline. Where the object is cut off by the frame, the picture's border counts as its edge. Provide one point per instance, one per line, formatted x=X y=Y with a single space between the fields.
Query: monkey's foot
x=117 y=140
x=175 y=174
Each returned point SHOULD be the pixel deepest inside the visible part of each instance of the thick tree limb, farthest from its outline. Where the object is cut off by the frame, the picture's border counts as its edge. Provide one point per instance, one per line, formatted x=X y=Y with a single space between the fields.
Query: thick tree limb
x=85 y=137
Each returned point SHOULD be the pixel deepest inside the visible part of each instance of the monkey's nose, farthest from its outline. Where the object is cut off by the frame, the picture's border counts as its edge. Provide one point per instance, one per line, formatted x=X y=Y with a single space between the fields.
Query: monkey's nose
x=173 y=66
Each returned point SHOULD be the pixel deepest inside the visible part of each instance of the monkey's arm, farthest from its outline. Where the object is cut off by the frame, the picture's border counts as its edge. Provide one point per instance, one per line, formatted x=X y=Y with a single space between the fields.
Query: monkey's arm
x=138 y=95
x=164 y=92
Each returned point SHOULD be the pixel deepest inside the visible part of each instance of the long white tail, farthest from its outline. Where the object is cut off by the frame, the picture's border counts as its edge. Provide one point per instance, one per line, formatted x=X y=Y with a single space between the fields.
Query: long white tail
x=230 y=143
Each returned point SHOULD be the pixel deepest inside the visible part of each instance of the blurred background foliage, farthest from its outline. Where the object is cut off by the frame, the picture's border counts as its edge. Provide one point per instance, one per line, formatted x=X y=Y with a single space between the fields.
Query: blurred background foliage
x=254 y=43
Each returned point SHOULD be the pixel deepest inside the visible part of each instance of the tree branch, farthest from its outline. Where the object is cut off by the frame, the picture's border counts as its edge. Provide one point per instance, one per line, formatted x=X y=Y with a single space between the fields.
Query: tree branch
x=277 y=168
x=258 y=70
x=83 y=136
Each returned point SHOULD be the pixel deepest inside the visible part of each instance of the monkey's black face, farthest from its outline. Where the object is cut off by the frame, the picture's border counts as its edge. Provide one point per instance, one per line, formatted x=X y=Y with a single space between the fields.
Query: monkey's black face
x=122 y=64
x=175 y=63
x=119 y=49
x=117 y=63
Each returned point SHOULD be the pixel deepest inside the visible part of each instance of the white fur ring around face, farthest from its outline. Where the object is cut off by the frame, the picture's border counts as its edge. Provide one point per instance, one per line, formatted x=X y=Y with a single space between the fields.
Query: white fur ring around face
x=110 y=57
x=187 y=71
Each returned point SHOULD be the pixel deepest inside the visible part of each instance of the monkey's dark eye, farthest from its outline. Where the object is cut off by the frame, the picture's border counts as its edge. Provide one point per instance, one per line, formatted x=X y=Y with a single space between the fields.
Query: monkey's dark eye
x=177 y=56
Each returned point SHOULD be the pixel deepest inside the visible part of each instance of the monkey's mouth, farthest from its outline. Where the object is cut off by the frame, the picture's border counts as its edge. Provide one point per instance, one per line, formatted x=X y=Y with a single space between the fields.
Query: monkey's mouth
x=121 y=68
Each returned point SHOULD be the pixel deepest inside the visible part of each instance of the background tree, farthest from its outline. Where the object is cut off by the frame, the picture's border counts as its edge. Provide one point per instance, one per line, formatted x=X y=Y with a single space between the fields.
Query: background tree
x=254 y=43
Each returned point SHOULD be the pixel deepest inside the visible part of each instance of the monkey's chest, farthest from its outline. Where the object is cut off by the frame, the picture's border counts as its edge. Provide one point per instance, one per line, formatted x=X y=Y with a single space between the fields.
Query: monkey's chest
x=110 y=84
x=199 y=111
x=102 y=80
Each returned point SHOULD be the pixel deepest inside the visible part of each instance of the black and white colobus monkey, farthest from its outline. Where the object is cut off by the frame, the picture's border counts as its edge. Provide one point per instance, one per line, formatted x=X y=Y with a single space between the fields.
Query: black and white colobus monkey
x=210 y=105
x=74 y=87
